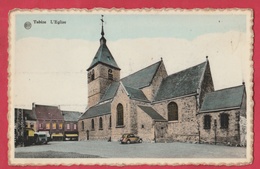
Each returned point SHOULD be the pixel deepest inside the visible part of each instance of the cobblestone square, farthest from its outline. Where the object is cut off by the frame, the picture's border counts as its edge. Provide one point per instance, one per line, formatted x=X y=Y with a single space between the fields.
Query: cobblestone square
x=103 y=149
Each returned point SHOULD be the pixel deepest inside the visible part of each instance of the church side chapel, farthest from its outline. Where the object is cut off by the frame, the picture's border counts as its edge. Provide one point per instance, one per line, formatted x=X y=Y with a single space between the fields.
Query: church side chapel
x=159 y=107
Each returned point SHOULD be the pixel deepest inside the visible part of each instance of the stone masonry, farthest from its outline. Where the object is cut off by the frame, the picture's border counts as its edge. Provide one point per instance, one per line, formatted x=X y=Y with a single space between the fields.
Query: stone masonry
x=160 y=107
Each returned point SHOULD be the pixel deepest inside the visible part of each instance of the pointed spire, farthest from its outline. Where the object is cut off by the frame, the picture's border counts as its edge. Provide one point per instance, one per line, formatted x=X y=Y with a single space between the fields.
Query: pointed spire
x=103 y=54
x=102 y=30
x=102 y=39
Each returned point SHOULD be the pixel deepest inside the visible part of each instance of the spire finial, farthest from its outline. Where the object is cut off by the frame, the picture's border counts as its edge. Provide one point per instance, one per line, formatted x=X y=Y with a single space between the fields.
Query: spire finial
x=102 y=30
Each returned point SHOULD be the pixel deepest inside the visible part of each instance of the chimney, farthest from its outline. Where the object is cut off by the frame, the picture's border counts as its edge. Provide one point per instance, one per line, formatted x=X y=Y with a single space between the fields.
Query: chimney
x=33 y=105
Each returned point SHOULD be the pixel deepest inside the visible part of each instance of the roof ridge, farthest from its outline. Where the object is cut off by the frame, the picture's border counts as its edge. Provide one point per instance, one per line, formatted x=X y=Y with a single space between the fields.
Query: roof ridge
x=70 y=111
x=132 y=87
x=226 y=89
x=28 y=109
x=185 y=69
x=144 y=106
x=46 y=105
x=141 y=69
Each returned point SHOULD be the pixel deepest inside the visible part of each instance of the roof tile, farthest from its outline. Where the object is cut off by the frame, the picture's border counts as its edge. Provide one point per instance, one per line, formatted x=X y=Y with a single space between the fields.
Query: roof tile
x=71 y=115
x=98 y=110
x=48 y=112
x=182 y=83
x=110 y=92
x=223 y=99
x=152 y=113
x=104 y=56
x=136 y=93
x=141 y=78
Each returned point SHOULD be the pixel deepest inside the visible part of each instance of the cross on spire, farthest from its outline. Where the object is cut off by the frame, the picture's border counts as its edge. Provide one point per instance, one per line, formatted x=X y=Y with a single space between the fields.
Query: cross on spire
x=102 y=30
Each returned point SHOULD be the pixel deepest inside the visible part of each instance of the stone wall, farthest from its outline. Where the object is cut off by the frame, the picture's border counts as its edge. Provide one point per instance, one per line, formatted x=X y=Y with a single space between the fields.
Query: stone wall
x=161 y=132
x=151 y=90
x=122 y=98
x=130 y=114
x=185 y=129
x=145 y=126
x=229 y=136
x=98 y=86
x=96 y=133
x=206 y=85
x=243 y=122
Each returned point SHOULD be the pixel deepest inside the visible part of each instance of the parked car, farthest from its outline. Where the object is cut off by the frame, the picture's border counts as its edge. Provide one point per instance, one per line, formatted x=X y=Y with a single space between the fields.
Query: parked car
x=40 y=138
x=130 y=138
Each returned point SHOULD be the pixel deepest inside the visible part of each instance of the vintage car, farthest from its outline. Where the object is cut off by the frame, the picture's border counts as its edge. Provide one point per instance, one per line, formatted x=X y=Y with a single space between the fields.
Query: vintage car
x=40 y=138
x=130 y=138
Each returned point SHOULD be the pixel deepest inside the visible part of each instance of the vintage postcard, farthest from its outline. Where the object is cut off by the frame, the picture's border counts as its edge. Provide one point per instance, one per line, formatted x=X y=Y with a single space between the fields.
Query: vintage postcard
x=130 y=87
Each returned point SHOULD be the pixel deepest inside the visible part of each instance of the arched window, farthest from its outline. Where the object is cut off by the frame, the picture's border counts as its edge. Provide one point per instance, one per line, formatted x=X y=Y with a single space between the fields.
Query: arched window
x=82 y=125
x=207 y=122
x=110 y=122
x=110 y=75
x=120 y=115
x=172 y=111
x=100 y=123
x=224 y=120
x=92 y=124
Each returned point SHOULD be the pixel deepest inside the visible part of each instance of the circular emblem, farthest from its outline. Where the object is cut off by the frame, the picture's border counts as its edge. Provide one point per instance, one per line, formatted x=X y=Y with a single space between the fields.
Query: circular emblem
x=27 y=25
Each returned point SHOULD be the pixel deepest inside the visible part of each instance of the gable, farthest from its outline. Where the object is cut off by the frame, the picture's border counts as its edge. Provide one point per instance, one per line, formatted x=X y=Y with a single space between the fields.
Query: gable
x=223 y=99
x=133 y=93
x=182 y=83
x=141 y=78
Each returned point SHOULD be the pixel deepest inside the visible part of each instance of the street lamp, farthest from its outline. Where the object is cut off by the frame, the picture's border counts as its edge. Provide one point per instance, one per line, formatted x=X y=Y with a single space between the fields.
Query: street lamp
x=215 y=129
x=199 y=131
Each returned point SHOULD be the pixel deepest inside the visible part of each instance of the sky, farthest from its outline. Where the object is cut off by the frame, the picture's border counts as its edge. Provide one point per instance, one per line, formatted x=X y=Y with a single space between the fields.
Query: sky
x=87 y=27
x=49 y=61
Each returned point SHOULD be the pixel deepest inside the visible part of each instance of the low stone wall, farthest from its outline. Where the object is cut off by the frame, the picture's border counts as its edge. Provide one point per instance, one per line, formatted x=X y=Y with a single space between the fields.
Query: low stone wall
x=228 y=136
x=96 y=133
x=242 y=124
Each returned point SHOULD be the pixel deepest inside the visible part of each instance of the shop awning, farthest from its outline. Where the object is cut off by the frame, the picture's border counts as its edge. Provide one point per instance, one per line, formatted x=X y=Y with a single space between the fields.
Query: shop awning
x=71 y=135
x=57 y=135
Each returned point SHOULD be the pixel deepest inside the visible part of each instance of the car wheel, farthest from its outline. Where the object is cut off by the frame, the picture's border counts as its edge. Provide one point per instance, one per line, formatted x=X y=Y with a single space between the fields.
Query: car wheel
x=128 y=142
x=140 y=141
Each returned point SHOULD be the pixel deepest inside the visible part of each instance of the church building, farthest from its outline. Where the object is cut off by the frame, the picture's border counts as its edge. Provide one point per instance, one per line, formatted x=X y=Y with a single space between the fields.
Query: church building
x=159 y=107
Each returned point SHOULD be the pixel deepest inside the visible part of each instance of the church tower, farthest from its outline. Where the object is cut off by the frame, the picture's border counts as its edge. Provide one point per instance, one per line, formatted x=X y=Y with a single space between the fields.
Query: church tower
x=102 y=71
